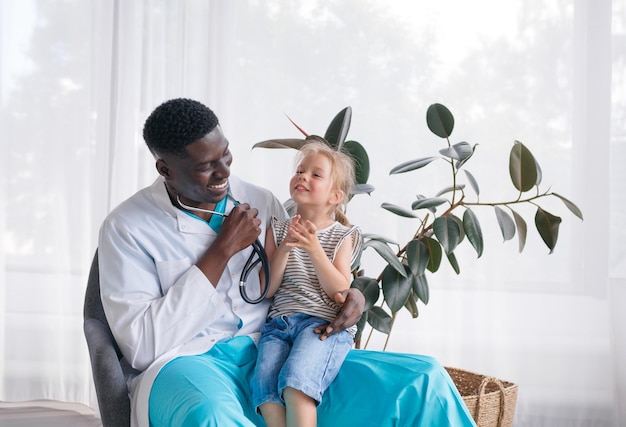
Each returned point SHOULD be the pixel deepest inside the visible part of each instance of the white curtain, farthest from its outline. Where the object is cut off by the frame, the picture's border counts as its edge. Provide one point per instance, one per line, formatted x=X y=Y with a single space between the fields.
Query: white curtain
x=77 y=80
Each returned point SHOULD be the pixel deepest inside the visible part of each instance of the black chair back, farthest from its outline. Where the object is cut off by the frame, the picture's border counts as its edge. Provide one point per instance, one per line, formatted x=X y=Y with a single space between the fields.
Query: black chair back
x=108 y=375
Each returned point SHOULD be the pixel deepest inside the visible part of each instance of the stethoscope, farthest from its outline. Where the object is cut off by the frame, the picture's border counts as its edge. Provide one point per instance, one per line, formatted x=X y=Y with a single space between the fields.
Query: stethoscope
x=257 y=252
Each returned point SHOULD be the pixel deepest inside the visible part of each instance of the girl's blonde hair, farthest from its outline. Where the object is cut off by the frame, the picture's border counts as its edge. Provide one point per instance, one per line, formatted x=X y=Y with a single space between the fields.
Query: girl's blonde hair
x=342 y=172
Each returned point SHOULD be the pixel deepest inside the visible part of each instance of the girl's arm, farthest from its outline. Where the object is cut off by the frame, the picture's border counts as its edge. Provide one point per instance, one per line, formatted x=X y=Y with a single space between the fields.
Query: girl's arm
x=278 y=260
x=334 y=277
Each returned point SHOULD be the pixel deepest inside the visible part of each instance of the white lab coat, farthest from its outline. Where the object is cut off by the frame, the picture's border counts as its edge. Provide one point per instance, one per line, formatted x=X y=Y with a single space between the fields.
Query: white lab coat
x=159 y=305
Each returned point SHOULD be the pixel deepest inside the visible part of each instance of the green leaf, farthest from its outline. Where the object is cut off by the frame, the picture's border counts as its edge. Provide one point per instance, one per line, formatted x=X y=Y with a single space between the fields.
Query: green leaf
x=387 y=254
x=458 y=187
x=472 y=182
x=417 y=256
x=361 y=160
x=539 y=173
x=398 y=210
x=280 y=143
x=316 y=138
x=422 y=197
x=461 y=229
x=369 y=288
x=461 y=162
x=362 y=189
x=453 y=262
x=460 y=151
x=428 y=203
x=440 y=120
x=379 y=319
x=548 y=227
x=447 y=231
x=396 y=288
x=571 y=206
x=371 y=236
x=434 y=248
x=521 y=229
x=522 y=167
x=420 y=288
x=471 y=225
x=412 y=165
x=338 y=128
x=506 y=223
x=411 y=306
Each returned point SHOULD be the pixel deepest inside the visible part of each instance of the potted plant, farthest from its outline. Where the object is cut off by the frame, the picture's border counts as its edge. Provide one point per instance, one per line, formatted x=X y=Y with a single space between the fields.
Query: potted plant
x=445 y=220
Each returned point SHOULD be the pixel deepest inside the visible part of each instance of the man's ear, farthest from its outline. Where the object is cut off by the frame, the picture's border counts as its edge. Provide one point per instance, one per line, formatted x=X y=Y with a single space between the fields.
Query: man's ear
x=162 y=168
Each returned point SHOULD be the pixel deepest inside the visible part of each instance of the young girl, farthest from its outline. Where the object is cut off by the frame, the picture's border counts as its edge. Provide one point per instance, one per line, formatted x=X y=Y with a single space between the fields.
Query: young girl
x=310 y=261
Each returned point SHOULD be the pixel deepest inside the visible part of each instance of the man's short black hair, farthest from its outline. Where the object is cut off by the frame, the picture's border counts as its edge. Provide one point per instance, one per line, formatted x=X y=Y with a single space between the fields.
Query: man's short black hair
x=177 y=123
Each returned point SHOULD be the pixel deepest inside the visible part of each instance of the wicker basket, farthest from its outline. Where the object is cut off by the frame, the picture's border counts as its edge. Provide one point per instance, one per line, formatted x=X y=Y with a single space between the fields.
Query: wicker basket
x=490 y=401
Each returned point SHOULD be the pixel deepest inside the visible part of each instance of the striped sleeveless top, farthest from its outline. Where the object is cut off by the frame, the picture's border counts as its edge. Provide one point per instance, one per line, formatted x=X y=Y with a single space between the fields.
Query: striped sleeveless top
x=300 y=291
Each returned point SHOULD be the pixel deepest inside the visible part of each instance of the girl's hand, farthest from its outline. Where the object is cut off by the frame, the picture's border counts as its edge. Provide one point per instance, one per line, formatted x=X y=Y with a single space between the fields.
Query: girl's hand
x=303 y=236
x=291 y=239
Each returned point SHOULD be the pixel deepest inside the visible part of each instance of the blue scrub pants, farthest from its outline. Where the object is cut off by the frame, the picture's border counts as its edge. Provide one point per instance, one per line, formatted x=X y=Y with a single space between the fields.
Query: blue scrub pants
x=373 y=389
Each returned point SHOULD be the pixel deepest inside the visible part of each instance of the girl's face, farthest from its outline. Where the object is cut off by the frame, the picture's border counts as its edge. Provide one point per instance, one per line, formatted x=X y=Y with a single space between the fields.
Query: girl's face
x=312 y=184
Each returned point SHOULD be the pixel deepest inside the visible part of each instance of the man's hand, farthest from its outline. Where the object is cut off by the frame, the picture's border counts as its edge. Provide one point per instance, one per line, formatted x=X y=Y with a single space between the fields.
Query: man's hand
x=238 y=231
x=353 y=303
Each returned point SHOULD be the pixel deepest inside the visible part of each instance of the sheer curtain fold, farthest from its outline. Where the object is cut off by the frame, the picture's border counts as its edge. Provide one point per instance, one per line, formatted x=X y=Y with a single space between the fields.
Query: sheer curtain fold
x=79 y=78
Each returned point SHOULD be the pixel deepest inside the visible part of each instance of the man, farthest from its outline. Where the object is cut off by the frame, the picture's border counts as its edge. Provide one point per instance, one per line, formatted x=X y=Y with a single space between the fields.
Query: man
x=170 y=265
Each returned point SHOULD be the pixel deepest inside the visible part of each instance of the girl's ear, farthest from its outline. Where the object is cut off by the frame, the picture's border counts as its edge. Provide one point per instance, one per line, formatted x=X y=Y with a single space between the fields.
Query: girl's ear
x=336 y=197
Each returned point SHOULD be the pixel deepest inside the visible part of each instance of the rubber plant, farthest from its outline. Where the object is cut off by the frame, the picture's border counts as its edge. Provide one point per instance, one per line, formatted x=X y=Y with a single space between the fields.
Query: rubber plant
x=335 y=136
x=444 y=221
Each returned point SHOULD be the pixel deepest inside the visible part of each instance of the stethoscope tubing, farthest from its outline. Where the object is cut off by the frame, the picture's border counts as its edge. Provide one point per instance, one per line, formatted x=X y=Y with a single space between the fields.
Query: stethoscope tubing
x=257 y=256
x=259 y=251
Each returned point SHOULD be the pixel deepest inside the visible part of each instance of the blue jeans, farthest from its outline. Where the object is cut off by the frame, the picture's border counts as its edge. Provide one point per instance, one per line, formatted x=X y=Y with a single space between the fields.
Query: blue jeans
x=292 y=355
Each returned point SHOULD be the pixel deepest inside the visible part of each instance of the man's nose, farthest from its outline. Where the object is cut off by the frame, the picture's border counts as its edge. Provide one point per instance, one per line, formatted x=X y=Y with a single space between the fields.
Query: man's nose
x=222 y=169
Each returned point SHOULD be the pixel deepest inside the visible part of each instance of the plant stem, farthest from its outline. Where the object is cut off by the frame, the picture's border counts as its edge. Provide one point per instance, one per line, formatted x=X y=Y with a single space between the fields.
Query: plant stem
x=512 y=202
x=367 y=341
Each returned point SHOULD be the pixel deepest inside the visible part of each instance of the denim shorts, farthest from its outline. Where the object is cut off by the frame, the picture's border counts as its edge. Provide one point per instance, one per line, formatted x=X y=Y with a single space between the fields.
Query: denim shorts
x=292 y=355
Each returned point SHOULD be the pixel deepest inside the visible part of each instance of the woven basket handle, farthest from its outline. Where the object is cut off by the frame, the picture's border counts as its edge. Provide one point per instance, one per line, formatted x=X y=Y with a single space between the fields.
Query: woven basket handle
x=481 y=391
